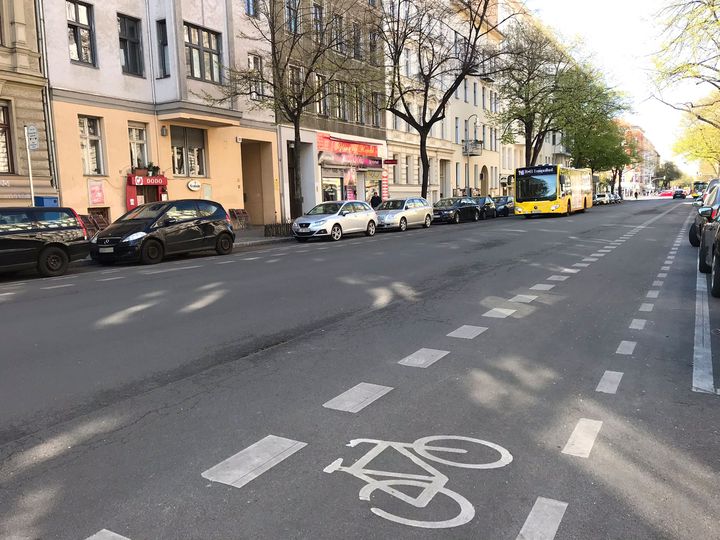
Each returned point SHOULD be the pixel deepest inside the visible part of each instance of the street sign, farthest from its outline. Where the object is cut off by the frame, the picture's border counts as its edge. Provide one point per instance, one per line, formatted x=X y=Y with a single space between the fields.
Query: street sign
x=389 y=161
x=33 y=140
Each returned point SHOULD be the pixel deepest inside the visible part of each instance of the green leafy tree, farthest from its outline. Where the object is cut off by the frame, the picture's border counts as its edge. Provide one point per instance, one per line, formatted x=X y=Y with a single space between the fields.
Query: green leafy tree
x=699 y=141
x=669 y=173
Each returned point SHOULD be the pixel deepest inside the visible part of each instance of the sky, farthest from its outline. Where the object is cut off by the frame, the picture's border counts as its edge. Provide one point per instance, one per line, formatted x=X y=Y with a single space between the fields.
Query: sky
x=620 y=37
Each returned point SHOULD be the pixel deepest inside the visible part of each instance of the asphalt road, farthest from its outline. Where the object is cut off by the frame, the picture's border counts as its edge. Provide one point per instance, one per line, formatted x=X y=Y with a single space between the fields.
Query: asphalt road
x=217 y=397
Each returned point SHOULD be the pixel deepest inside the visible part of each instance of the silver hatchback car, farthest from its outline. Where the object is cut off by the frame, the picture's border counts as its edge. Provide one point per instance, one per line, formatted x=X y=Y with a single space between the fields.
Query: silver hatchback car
x=334 y=219
x=403 y=213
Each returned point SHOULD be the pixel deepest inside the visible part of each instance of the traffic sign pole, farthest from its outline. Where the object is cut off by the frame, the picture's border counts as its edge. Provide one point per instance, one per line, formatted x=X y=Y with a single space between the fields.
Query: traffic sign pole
x=30 y=174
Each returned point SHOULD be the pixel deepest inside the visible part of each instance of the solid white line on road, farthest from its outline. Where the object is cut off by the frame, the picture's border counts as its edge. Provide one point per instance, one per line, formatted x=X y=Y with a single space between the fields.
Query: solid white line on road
x=523 y=298
x=557 y=278
x=609 y=382
x=7 y=294
x=423 y=358
x=106 y=535
x=542 y=287
x=165 y=270
x=638 y=324
x=703 y=380
x=662 y=275
x=250 y=463
x=581 y=265
x=357 y=398
x=583 y=437
x=544 y=520
x=467 y=332
x=646 y=307
x=111 y=278
x=658 y=283
x=499 y=313
x=665 y=268
x=652 y=294
x=57 y=286
x=569 y=270
x=590 y=259
x=626 y=347
x=250 y=258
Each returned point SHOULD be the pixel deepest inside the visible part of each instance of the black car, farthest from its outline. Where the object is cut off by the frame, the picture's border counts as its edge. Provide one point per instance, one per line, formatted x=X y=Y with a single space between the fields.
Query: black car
x=46 y=239
x=151 y=231
x=455 y=210
x=709 y=253
x=486 y=206
x=678 y=194
x=712 y=201
x=504 y=206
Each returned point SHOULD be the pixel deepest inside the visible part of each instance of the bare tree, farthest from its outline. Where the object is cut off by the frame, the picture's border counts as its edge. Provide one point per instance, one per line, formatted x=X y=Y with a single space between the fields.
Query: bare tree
x=304 y=56
x=431 y=47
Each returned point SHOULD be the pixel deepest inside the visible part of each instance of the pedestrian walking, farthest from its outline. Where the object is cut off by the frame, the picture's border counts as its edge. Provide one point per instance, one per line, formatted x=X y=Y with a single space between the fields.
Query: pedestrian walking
x=375 y=200
x=636 y=195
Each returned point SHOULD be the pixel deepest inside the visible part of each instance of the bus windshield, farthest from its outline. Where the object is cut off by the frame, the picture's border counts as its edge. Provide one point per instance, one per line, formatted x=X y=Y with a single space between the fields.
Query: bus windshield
x=536 y=187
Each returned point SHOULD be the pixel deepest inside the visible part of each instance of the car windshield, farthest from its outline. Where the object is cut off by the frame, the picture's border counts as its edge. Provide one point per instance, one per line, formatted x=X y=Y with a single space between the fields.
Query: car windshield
x=325 y=209
x=146 y=211
x=500 y=200
x=537 y=187
x=392 y=205
x=446 y=202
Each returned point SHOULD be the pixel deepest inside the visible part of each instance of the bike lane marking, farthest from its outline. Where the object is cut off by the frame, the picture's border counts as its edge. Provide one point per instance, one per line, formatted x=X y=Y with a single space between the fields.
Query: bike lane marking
x=544 y=520
x=104 y=534
x=423 y=358
x=467 y=332
x=357 y=398
x=254 y=460
x=582 y=439
x=609 y=382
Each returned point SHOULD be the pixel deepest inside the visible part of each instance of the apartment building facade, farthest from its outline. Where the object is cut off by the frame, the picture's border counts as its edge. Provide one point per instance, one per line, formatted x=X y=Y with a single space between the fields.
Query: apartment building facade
x=135 y=90
x=23 y=102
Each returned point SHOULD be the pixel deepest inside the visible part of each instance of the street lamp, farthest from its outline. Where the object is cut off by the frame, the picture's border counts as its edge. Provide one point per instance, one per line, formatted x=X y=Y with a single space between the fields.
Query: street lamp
x=470 y=148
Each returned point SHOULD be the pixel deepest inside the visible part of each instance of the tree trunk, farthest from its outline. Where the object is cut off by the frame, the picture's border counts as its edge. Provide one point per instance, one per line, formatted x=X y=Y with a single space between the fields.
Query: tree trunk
x=528 y=145
x=425 y=160
x=620 y=173
x=296 y=164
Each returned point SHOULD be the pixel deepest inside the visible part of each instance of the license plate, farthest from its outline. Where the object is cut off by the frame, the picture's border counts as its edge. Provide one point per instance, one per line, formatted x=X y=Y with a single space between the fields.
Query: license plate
x=106 y=250
x=536 y=212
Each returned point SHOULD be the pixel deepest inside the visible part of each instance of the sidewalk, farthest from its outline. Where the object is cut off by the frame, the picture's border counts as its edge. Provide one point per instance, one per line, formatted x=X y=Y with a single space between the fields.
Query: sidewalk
x=254 y=235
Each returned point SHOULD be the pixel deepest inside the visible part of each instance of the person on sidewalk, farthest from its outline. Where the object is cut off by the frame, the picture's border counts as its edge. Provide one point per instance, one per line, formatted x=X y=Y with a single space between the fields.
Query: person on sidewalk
x=375 y=200
x=636 y=195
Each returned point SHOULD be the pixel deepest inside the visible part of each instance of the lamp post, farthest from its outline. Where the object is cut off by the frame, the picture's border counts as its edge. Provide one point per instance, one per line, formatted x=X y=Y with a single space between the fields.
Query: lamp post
x=466 y=152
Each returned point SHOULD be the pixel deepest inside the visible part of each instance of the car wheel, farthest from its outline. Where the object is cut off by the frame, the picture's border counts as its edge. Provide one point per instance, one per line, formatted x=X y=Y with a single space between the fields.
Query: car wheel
x=428 y=221
x=456 y=218
x=53 y=261
x=370 y=231
x=476 y=216
x=693 y=235
x=703 y=266
x=507 y=212
x=403 y=224
x=715 y=276
x=336 y=233
x=151 y=252
x=224 y=244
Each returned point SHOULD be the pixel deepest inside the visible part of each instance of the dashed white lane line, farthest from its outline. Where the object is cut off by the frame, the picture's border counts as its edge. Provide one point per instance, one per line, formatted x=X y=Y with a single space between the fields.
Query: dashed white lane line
x=652 y=294
x=250 y=258
x=7 y=294
x=111 y=278
x=104 y=534
x=58 y=286
x=670 y=257
x=609 y=382
x=702 y=380
x=357 y=398
x=668 y=263
x=590 y=259
x=597 y=255
x=582 y=439
x=581 y=265
x=638 y=324
x=499 y=313
x=250 y=463
x=662 y=275
x=604 y=250
x=523 y=298
x=542 y=287
x=544 y=520
x=467 y=332
x=423 y=358
x=557 y=278
x=626 y=347
x=658 y=283
x=664 y=268
x=225 y=262
x=569 y=270
x=165 y=270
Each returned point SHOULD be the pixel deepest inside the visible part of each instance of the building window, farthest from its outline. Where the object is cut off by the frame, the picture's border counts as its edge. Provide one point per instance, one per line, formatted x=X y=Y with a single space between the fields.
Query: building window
x=318 y=23
x=292 y=15
x=251 y=8
x=163 y=50
x=465 y=90
x=341 y=101
x=138 y=145
x=323 y=101
x=357 y=41
x=338 y=40
x=396 y=122
x=442 y=129
x=372 y=46
x=377 y=109
x=407 y=169
x=6 y=163
x=466 y=132
x=130 y=45
x=80 y=32
x=483 y=98
x=295 y=82
x=202 y=53
x=359 y=106
x=475 y=94
x=188 y=151
x=256 y=87
x=484 y=139
x=457 y=130
x=90 y=145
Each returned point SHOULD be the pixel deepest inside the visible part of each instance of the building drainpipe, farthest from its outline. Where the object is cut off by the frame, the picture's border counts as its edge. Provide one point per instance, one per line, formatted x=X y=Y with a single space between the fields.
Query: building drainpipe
x=280 y=171
x=47 y=108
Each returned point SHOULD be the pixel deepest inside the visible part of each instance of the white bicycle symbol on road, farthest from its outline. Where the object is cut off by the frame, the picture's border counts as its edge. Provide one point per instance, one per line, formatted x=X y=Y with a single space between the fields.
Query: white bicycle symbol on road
x=432 y=484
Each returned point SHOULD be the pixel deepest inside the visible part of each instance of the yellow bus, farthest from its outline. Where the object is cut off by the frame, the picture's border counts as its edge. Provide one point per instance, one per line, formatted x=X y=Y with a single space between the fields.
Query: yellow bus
x=552 y=189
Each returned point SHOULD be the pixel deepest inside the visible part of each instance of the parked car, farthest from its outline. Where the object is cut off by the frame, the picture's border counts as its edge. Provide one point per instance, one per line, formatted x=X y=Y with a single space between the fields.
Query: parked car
x=45 y=239
x=617 y=198
x=504 y=206
x=666 y=193
x=455 y=210
x=486 y=206
x=678 y=194
x=334 y=219
x=712 y=201
x=403 y=213
x=602 y=198
x=151 y=231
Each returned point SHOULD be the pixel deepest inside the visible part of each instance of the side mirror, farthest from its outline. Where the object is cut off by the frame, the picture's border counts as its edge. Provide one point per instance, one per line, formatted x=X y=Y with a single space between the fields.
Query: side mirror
x=697 y=203
x=169 y=221
x=344 y=213
x=706 y=212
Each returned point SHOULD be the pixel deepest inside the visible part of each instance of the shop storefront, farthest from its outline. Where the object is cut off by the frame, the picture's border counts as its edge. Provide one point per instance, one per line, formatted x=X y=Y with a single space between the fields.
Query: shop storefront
x=349 y=170
x=145 y=189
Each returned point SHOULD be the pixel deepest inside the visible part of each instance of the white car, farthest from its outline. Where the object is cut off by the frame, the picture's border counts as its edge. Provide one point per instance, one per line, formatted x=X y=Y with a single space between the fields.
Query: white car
x=403 y=213
x=334 y=219
x=603 y=198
